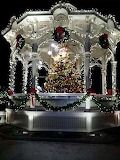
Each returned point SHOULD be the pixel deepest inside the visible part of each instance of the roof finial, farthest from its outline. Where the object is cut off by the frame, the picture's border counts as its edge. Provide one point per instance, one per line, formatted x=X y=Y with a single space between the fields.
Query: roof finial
x=60 y=4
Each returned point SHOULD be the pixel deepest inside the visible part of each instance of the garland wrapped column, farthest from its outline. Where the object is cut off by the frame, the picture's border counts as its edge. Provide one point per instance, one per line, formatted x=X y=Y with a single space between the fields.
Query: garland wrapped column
x=87 y=57
x=103 y=41
x=36 y=79
x=25 y=77
x=114 y=64
x=12 y=73
x=104 y=74
x=34 y=67
x=87 y=78
x=34 y=73
x=20 y=42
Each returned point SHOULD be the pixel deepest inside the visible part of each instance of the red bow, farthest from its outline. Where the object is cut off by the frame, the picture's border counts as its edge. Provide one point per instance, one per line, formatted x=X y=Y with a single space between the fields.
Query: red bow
x=60 y=30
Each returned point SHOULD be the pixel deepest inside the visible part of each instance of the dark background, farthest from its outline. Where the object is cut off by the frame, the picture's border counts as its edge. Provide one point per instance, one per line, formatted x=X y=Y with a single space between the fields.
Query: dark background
x=11 y=8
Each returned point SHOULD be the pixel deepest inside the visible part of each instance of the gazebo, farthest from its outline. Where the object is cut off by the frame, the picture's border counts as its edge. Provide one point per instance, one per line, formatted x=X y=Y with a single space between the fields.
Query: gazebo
x=37 y=39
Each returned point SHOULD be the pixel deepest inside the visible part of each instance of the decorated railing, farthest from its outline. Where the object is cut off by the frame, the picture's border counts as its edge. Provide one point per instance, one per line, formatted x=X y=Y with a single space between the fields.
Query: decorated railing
x=106 y=108
x=20 y=102
x=69 y=106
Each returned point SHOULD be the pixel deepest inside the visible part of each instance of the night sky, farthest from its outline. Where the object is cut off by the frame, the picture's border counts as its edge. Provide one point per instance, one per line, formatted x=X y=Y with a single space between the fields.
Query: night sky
x=9 y=9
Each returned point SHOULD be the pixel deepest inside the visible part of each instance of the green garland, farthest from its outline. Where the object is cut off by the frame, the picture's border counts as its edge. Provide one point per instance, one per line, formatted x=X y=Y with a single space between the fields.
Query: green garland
x=47 y=106
x=4 y=99
x=104 y=108
x=3 y=95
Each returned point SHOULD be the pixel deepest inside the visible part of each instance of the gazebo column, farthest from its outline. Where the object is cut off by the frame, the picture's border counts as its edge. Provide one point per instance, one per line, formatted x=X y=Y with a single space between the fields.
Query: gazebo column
x=34 y=66
x=114 y=65
x=12 y=73
x=87 y=78
x=87 y=59
x=36 y=79
x=104 y=85
x=104 y=74
x=25 y=77
x=77 y=61
x=34 y=73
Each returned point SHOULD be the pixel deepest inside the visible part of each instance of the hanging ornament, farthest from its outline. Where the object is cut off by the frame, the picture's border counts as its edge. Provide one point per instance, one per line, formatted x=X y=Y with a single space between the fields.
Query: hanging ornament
x=103 y=41
x=60 y=34
x=20 y=42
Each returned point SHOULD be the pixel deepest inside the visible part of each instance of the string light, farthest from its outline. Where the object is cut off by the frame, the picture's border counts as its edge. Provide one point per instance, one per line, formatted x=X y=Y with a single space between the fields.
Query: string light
x=50 y=53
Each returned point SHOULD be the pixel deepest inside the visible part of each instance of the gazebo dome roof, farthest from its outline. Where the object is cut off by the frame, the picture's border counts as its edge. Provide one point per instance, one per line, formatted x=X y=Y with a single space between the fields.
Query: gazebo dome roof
x=37 y=27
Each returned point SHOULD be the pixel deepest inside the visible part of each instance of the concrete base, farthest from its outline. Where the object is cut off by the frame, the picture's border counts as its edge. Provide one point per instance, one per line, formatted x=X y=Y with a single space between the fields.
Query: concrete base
x=62 y=121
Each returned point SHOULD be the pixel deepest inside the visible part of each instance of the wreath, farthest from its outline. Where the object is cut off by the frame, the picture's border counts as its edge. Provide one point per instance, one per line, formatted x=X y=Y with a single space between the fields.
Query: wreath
x=103 y=41
x=20 y=42
x=60 y=34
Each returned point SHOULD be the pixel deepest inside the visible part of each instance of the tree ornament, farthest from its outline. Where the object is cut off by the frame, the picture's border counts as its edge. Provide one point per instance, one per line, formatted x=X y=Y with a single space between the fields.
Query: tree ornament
x=103 y=41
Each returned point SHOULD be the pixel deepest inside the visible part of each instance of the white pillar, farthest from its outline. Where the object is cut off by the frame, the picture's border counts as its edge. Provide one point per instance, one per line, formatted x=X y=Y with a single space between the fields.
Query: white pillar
x=32 y=101
x=25 y=77
x=104 y=74
x=87 y=58
x=104 y=86
x=114 y=64
x=34 y=68
x=87 y=78
x=36 y=78
x=12 y=73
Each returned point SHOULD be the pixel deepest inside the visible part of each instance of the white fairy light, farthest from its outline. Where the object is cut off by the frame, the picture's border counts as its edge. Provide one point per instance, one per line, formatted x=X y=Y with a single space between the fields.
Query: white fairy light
x=50 y=53
x=54 y=46
x=39 y=64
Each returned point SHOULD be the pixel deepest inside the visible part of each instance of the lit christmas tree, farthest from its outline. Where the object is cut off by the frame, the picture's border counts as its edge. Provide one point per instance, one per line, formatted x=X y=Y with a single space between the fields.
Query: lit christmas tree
x=63 y=76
